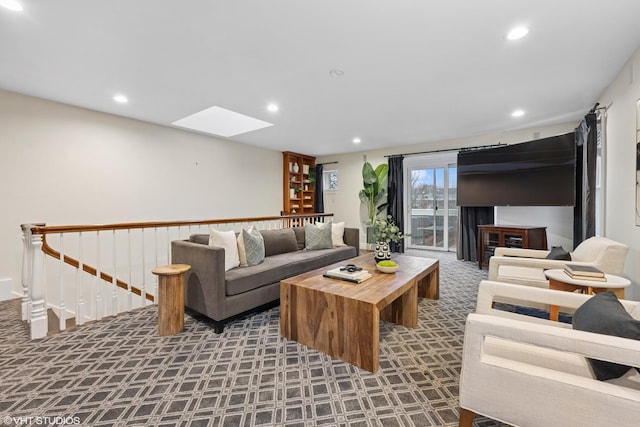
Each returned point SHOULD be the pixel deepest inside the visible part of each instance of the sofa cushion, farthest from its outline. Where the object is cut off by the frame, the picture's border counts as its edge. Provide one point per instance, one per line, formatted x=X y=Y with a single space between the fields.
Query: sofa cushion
x=317 y=236
x=604 y=314
x=278 y=267
x=299 y=237
x=250 y=247
x=279 y=241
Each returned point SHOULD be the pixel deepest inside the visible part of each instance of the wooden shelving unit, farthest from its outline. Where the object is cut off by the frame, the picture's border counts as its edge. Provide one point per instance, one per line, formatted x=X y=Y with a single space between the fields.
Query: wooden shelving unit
x=298 y=192
x=511 y=236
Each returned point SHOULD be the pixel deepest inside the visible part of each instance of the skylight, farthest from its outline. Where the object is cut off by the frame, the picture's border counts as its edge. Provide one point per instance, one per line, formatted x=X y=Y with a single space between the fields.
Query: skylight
x=220 y=121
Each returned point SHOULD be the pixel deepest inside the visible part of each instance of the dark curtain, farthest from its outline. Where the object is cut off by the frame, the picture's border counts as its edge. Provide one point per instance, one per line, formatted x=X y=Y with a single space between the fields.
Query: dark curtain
x=584 y=212
x=395 y=197
x=470 y=219
x=318 y=190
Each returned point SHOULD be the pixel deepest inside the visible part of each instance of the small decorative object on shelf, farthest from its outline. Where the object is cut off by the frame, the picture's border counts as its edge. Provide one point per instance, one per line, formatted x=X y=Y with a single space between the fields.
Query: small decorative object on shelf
x=296 y=168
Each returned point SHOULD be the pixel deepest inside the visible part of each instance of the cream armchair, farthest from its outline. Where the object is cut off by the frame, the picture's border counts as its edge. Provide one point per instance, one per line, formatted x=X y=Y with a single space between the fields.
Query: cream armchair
x=527 y=371
x=526 y=266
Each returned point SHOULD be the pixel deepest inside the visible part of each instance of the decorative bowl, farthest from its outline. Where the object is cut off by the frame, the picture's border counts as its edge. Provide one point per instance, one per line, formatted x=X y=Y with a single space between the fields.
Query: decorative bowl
x=384 y=269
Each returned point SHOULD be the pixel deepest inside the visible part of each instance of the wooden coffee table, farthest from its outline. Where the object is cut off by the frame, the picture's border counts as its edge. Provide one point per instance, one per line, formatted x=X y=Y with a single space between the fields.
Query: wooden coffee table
x=342 y=319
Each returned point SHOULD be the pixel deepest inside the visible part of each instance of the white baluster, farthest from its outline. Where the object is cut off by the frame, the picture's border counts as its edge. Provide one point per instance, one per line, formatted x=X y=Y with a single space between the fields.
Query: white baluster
x=114 y=293
x=37 y=291
x=169 y=248
x=98 y=300
x=79 y=285
x=155 y=278
x=27 y=256
x=129 y=293
x=143 y=292
x=62 y=315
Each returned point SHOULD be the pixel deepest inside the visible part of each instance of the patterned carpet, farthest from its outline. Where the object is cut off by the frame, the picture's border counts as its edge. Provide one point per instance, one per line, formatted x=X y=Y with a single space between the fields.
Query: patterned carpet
x=119 y=372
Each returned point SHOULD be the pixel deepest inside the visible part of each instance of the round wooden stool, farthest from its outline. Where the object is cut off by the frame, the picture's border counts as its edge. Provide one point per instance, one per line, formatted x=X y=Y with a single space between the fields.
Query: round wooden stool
x=170 y=298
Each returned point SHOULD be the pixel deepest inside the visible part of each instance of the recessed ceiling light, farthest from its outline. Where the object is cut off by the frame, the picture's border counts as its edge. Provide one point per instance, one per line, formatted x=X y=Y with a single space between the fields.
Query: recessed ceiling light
x=336 y=73
x=357 y=140
x=120 y=99
x=517 y=113
x=273 y=107
x=11 y=5
x=220 y=121
x=517 y=33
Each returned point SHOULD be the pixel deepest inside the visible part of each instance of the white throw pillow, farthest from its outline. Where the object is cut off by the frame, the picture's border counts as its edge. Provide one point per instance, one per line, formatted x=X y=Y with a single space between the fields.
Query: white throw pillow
x=227 y=241
x=337 y=234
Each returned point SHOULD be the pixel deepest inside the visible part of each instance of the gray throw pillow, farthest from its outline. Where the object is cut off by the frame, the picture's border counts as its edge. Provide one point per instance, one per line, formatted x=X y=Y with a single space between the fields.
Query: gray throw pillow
x=558 y=252
x=317 y=236
x=251 y=247
x=279 y=241
x=603 y=314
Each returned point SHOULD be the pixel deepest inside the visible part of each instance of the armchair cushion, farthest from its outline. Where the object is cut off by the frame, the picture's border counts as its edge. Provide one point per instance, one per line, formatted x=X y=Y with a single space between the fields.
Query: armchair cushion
x=558 y=252
x=603 y=314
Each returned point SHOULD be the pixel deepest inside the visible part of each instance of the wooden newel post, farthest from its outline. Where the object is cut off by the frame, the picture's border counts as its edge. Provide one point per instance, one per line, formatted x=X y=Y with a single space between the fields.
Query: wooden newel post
x=170 y=298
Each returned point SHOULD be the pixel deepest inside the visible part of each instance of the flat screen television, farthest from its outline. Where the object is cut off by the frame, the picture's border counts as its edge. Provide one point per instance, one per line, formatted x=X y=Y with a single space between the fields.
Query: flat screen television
x=536 y=173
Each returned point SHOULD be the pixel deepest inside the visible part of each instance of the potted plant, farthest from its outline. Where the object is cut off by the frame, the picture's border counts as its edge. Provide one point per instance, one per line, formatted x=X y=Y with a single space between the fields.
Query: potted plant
x=384 y=231
x=293 y=191
x=374 y=191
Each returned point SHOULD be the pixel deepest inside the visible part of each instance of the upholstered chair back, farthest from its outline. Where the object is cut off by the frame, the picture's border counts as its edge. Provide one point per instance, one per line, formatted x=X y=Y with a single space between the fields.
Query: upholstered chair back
x=605 y=254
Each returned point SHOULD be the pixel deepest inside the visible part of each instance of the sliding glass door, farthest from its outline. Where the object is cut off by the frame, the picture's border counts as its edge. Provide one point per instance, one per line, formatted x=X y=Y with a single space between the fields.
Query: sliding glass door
x=432 y=211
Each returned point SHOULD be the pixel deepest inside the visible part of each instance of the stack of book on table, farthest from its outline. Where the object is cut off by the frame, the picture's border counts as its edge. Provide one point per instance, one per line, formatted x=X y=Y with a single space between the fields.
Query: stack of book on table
x=584 y=272
x=349 y=276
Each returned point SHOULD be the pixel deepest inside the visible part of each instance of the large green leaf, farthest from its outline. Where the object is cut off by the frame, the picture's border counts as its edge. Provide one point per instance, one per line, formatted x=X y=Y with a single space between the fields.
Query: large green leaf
x=369 y=176
x=381 y=173
x=364 y=198
x=379 y=196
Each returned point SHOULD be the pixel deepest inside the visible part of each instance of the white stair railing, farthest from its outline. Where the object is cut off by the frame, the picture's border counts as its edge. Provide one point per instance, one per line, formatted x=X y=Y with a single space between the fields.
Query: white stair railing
x=84 y=278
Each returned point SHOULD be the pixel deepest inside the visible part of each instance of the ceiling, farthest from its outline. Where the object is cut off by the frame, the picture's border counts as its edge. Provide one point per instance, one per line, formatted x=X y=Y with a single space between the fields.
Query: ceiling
x=389 y=72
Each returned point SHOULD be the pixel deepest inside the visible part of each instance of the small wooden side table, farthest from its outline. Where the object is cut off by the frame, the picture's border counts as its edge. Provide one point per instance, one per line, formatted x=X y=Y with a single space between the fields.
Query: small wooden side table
x=170 y=298
x=559 y=280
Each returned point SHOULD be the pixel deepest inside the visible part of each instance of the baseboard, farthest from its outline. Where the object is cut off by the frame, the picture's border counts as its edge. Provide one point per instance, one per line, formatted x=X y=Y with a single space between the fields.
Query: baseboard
x=6 y=289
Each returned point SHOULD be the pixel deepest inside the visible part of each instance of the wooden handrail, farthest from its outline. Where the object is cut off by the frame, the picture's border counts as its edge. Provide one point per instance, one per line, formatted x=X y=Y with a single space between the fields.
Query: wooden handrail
x=51 y=229
x=42 y=229
x=91 y=270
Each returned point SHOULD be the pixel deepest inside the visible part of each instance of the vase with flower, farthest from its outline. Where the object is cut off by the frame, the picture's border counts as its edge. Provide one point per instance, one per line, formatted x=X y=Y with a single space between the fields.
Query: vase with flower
x=385 y=231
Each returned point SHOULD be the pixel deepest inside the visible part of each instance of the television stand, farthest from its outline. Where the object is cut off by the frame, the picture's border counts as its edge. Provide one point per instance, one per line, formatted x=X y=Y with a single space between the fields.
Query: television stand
x=509 y=236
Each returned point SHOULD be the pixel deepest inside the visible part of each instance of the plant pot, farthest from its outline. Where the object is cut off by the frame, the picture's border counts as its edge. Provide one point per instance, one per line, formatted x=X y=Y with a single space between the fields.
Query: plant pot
x=382 y=251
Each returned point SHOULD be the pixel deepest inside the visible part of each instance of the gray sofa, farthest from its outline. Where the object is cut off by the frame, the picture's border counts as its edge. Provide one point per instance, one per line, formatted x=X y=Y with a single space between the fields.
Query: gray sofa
x=221 y=296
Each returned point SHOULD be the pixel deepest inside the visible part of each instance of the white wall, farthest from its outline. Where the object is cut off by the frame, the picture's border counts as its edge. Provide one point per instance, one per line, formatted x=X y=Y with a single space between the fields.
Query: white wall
x=557 y=219
x=66 y=165
x=620 y=186
x=345 y=203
